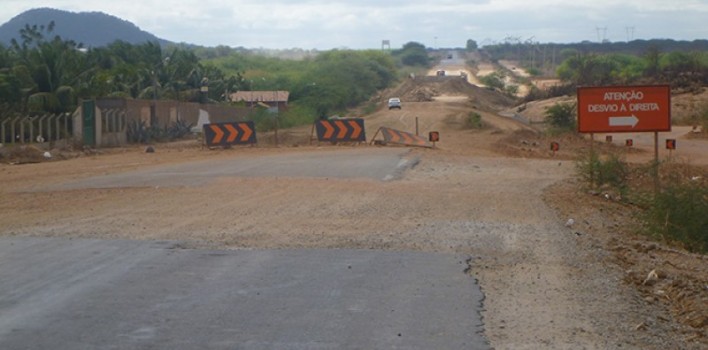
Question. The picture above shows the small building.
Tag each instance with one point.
(274, 99)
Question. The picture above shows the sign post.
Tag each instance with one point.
(555, 147)
(670, 145)
(433, 137)
(624, 109)
(612, 109)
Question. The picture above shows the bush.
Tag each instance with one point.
(493, 81)
(561, 116)
(178, 130)
(139, 132)
(296, 116)
(598, 171)
(473, 121)
(533, 71)
(703, 119)
(370, 107)
(511, 90)
(680, 212)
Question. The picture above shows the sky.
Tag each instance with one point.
(364, 24)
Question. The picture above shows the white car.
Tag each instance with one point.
(394, 102)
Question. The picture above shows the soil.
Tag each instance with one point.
(497, 193)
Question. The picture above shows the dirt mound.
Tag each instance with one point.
(27, 154)
(22, 154)
(425, 89)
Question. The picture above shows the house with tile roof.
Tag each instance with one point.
(277, 100)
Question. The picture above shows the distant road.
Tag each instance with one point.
(372, 163)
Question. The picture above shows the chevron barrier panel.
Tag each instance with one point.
(341, 130)
(226, 134)
(404, 138)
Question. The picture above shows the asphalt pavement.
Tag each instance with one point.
(58, 293)
(382, 164)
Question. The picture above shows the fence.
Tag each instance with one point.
(114, 124)
(113, 117)
(39, 129)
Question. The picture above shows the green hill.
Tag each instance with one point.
(92, 29)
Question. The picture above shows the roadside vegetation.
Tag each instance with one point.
(473, 121)
(672, 208)
(561, 118)
(42, 73)
(683, 65)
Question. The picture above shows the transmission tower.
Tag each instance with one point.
(602, 30)
(630, 33)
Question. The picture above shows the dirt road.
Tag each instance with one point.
(546, 286)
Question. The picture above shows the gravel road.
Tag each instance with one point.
(545, 286)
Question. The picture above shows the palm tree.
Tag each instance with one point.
(48, 70)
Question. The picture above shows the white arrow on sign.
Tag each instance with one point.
(624, 121)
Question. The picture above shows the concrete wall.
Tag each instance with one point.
(113, 117)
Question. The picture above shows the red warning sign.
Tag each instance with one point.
(624, 109)
(434, 136)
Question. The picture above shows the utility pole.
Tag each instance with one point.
(277, 114)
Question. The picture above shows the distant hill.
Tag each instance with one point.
(92, 29)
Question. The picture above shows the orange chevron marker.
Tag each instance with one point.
(247, 132)
(395, 137)
(356, 128)
(219, 134)
(342, 129)
(407, 138)
(233, 133)
(386, 134)
(330, 130)
(421, 141)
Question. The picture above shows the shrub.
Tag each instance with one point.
(264, 120)
(473, 121)
(370, 107)
(561, 116)
(493, 81)
(680, 212)
(703, 119)
(511, 90)
(139, 132)
(533, 71)
(178, 130)
(610, 170)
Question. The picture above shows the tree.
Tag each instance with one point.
(588, 70)
(414, 54)
(652, 57)
(494, 80)
(49, 70)
(471, 45)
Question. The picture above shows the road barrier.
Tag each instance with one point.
(402, 138)
(340, 130)
(227, 134)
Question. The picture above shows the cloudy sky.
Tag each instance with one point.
(358, 24)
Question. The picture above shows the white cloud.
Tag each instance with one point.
(361, 24)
